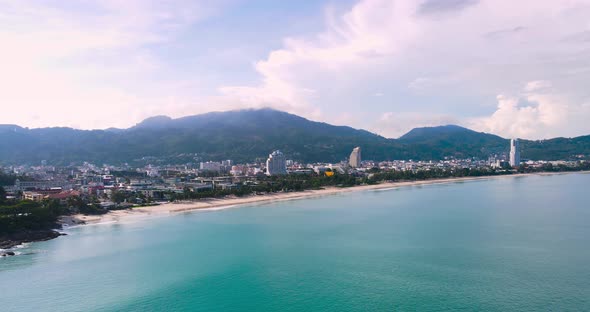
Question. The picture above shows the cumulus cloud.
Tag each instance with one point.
(416, 62)
(368, 32)
(536, 113)
(460, 52)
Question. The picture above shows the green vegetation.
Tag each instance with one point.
(89, 206)
(17, 216)
(29, 216)
(10, 179)
(435, 174)
(288, 183)
(244, 136)
(24, 215)
(295, 183)
(2, 195)
(6, 179)
(582, 166)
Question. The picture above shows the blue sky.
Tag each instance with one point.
(517, 69)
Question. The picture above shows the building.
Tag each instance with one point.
(39, 185)
(238, 170)
(355, 158)
(34, 196)
(276, 164)
(210, 166)
(514, 153)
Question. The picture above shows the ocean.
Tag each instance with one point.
(500, 244)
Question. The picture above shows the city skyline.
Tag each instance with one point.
(370, 64)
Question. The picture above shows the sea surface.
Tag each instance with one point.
(504, 244)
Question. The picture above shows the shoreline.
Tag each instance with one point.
(8, 244)
(229, 202)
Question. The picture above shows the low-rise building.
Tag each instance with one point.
(34, 196)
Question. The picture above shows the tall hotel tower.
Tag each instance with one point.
(276, 164)
(355, 158)
(514, 153)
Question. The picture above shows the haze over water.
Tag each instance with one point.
(512, 243)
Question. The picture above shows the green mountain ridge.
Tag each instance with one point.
(247, 135)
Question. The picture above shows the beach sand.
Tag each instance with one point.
(231, 201)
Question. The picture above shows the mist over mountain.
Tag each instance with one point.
(248, 135)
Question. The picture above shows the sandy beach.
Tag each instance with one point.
(220, 203)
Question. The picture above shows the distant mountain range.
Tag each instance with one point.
(247, 135)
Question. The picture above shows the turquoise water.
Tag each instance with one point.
(507, 244)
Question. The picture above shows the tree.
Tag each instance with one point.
(118, 197)
(2, 195)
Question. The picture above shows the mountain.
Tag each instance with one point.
(558, 148)
(452, 140)
(242, 135)
(156, 122)
(248, 135)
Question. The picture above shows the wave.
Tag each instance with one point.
(23, 245)
(386, 189)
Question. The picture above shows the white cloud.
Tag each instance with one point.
(537, 85)
(77, 66)
(420, 83)
(371, 30)
(458, 54)
(424, 62)
(538, 112)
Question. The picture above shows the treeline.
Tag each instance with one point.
(408, 175)
(26, 215)
(87, 206)
(7, 179)
(10, 179)
(581, 166)
(295, 183)
(273, 184)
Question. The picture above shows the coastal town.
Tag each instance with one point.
(119, 187)
(35, 200)
(294, 156)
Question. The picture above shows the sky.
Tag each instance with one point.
(512, 68)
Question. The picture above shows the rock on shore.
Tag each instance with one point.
(10, 240)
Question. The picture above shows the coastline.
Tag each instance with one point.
(227, 202)
(8, 243)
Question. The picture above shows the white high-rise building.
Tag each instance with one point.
(355, 158)
(276, 164)
(514, 153)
